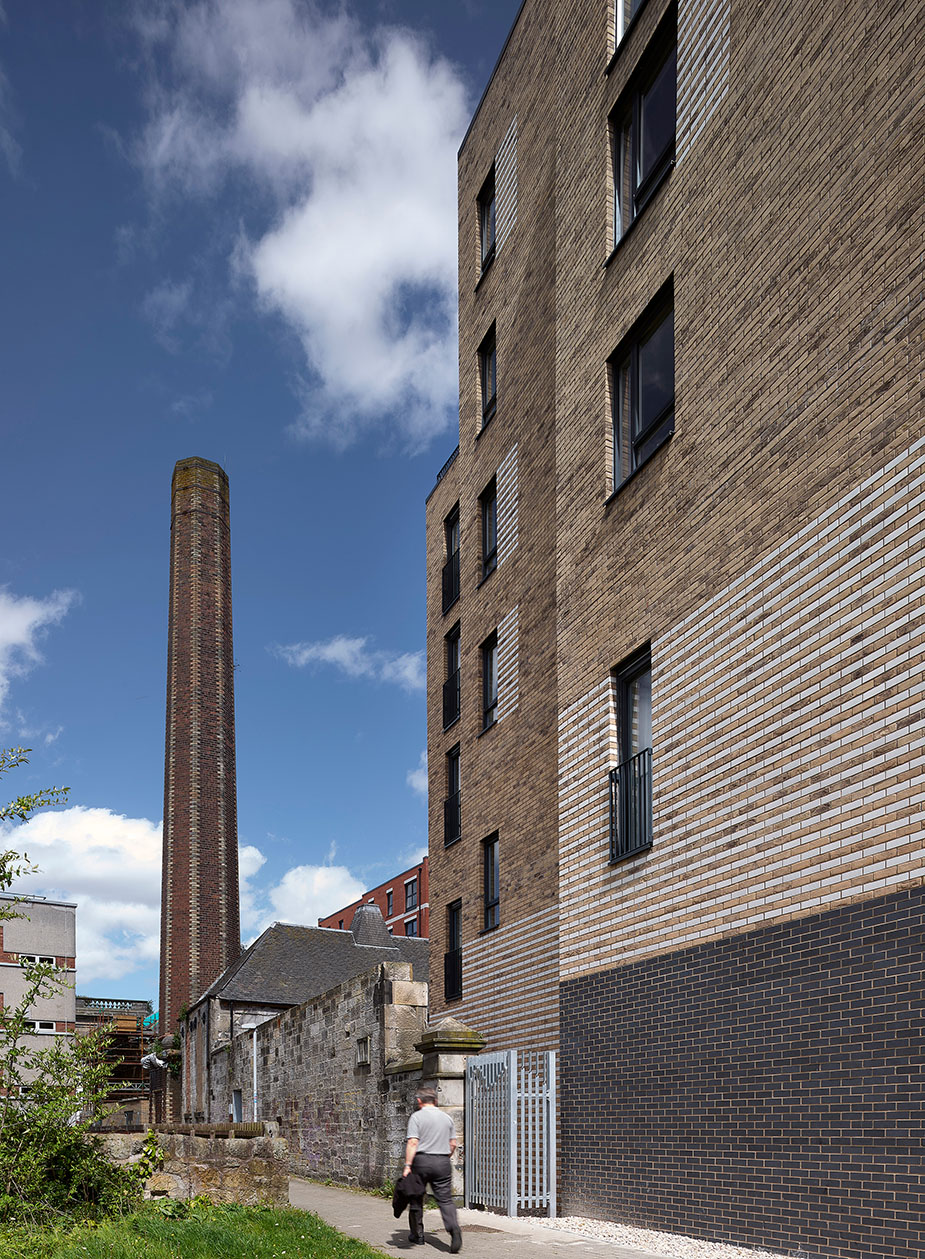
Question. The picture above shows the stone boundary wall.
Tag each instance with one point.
(342, 1116)
(251, 1171)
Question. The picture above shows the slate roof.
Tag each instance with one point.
(289, 965)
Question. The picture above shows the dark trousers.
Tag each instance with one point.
(435, 1170)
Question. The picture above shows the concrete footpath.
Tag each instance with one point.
(370, 1219)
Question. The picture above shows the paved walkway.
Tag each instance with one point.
(485, 1236)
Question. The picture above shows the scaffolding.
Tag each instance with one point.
(127, 1103)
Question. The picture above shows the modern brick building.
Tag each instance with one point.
(200, 931)
(403, 901)
(675, 627)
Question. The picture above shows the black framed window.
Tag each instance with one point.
(624, 13)
(411, 927)
(411, 894)
(631, 780)
(488, 375)
(486, 207)
(388, 905)
(491, 882)
(642, 387)
(642, 129)
(488, 503)
(451, 565)
(489, 681)
(451, 688)
(452, 958)
(451, 809)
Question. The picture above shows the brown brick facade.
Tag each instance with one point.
(200, 931)
(768, 554)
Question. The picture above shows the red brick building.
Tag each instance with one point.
(404, 902)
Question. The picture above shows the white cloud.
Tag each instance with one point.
(417, 778)
(111, 866)
(303, 895)
(9, 148)
(347, 136)
(357, 659)
(23, 622)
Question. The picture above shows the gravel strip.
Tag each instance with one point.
(672, 1245)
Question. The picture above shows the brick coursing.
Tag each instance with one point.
(200, 931)
(765, 1089)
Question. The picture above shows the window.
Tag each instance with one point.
(631, 781)
(642, 388)
(40, 1025)
(388, 905)
(452, 958)
(237, 1106)
(363, 1051)
(490, 681)
(488, 375)
(451, 813)
(488, 503)
(451, 567)
(625, 11)
(411, 895)
(492, 895)
(642, 129)
(340, 924)
(451, 691)
(411, 927)
(486, 206)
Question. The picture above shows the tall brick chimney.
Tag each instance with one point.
(200, 927)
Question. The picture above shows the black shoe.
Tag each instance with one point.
(416, 1239)
(456, 1242)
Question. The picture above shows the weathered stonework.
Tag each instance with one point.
(251, 1171)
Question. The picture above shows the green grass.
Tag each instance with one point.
(206, 1232)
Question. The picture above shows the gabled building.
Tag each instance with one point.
(675, 590)
(286, 966)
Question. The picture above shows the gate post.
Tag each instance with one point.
(445, 1049)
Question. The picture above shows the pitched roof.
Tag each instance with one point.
(288, 965)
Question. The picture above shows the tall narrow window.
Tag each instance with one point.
(489, 681)
(451, 566)
(492, 882)
(642, 388)
(488, 503)
(451, 810)
(451, 692)
(452, 958)
(631, 781)
(643, 133)
(488, 375)
(626, 10)
(388, 905)
(486, 205)
(411, 894)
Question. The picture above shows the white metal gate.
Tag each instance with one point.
(510, 1154)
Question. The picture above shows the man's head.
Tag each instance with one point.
(426, 1097)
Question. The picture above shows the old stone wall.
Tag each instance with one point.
(336, 1076)
(251, 1171)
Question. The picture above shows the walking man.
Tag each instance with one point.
(431, 1141)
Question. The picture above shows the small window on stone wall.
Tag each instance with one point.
(363, 1051)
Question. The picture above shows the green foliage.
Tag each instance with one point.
(49, 1097)
(23, 806)
(196, 1230)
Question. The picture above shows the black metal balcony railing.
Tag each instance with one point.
(452, 975)
(631, 806)
(451, 819)
(451, 699)
(451, 581)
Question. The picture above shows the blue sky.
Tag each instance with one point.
(228, 230)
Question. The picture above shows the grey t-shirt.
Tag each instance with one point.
(433, 1128)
